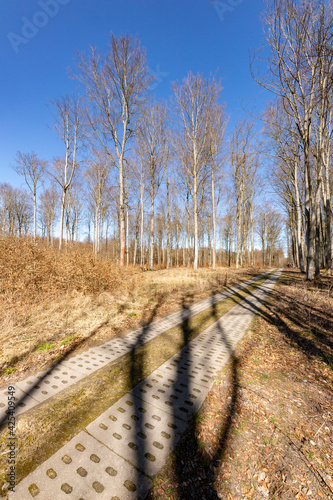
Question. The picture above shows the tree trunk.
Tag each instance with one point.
(196, 228)
(141, 222)
(152, 228)
(252, 238)
(127, 236)
(188, 232)
(310, 220)
(298, 221)
(328, 236)
(177, 245)
(121, 211)
(35, 213)
(239, 229)
(63, 201)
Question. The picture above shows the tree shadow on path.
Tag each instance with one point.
(195, 467)
(136, 375)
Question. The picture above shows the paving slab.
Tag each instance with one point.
(83, 469)
(133, 437)
(40, 387)
(46, 384)
(139, 432)
(176, 390)
(23, 402)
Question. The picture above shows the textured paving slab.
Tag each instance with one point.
(23, 403)
(37, 388)
(83, 469)
(173, 391)
(46, 384)
(40, 387)
(140, 430)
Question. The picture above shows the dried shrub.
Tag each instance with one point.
(29, 269)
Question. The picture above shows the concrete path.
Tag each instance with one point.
(115, 456)
(38, 388)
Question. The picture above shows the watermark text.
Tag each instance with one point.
(31, 26)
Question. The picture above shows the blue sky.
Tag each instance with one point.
(39, 39)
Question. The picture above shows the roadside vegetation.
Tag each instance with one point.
(265, 430)
(53, 304)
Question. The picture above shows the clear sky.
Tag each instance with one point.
(39, 39)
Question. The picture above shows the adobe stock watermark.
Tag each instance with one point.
(30, 27)
(158, 74)
(223, 7)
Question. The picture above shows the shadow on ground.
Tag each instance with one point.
(194, 467)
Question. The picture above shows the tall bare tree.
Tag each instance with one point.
(299, 35)
(68, 125)
(286, 171)
(115, 86)
(47, 208)
(243, 156)
(32, 169)
(154, 153)
(97, 175)
(194, 100)
(217, 127)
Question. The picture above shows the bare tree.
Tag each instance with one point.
(153, 153)
(68, 125)
(217, 127)
(115, 86)
(73, 210)
(16, 211)
(32, 169)
(97, 175)
(23, 211)
(243, 156)
(300, 68)
(47, 207)
(7, 199)
(194, 101)
(285, 173)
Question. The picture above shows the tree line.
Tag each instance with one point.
(152, 182)
(298, 124)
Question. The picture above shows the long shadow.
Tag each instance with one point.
(20, 402)
(137, 374)
(16, 359)
(137, 362)
(304, 343)
(300, 305)
(194, 468)
(274, 317)
(294, 311)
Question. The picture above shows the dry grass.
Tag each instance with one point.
(45, 429)
(265, 431)
(30, 270)
(52, 304)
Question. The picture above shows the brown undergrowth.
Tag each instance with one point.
(44, 429)
(265, 430)
(53, 304)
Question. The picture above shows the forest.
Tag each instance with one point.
(228, 335)
(165, 183)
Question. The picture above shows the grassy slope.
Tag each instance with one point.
(39, 326)
(44, 430)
